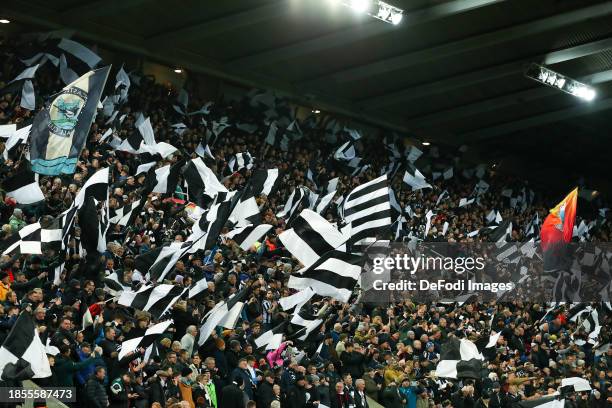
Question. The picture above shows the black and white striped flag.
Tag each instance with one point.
(588, 320)
(575, 384)
(505, 250)
(96, 187)
(33, 239)
(273, 338)
(144, 167)
(277, 137)
(151, 153)
(204, 151)
(310, 174)
(346, 152)
(391, 169)
(355, 167)
(201, 180)
(114, 284)
(151, 353)
(501, 232)
(24, 79)
(348, 161)
(198, 288)
(494, 217)
(207, 230)
(124, 215)
(144, 262)
(304, 324)
(575, 311)
(297, 299)
(334, 274)
(245, 212)
(459, 358)
(322, 202)
(23, 187)
(532, 230)
(415, 179)
(330, 186)
(390, 143)
(371, 245)
(298, 196)
(143, 141)
(155, 299)
(182, 101)
(225, 313)
(246, 236)
(529, 248)
(16, 138)
(156, 263)
(310, 237)
(92, 232)
(165, 179)
(264, 181)
(149, 337)
(132, 143)
(367, 209)
(239, 161)
(300, 327)
(24, 343)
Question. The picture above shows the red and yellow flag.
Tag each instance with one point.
(558, 226)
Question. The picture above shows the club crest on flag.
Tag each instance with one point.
(59, 132)
(65, 110)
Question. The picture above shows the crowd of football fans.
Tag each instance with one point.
(369, 352)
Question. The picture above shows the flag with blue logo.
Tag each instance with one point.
(59, 132)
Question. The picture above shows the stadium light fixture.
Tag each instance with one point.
(396, 18)
(561, 82)
(377, 9)
(4, 21)
(388, 13)
(360, 6)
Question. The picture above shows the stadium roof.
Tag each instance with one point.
(452, 70)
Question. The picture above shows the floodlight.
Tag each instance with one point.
(561, 82)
